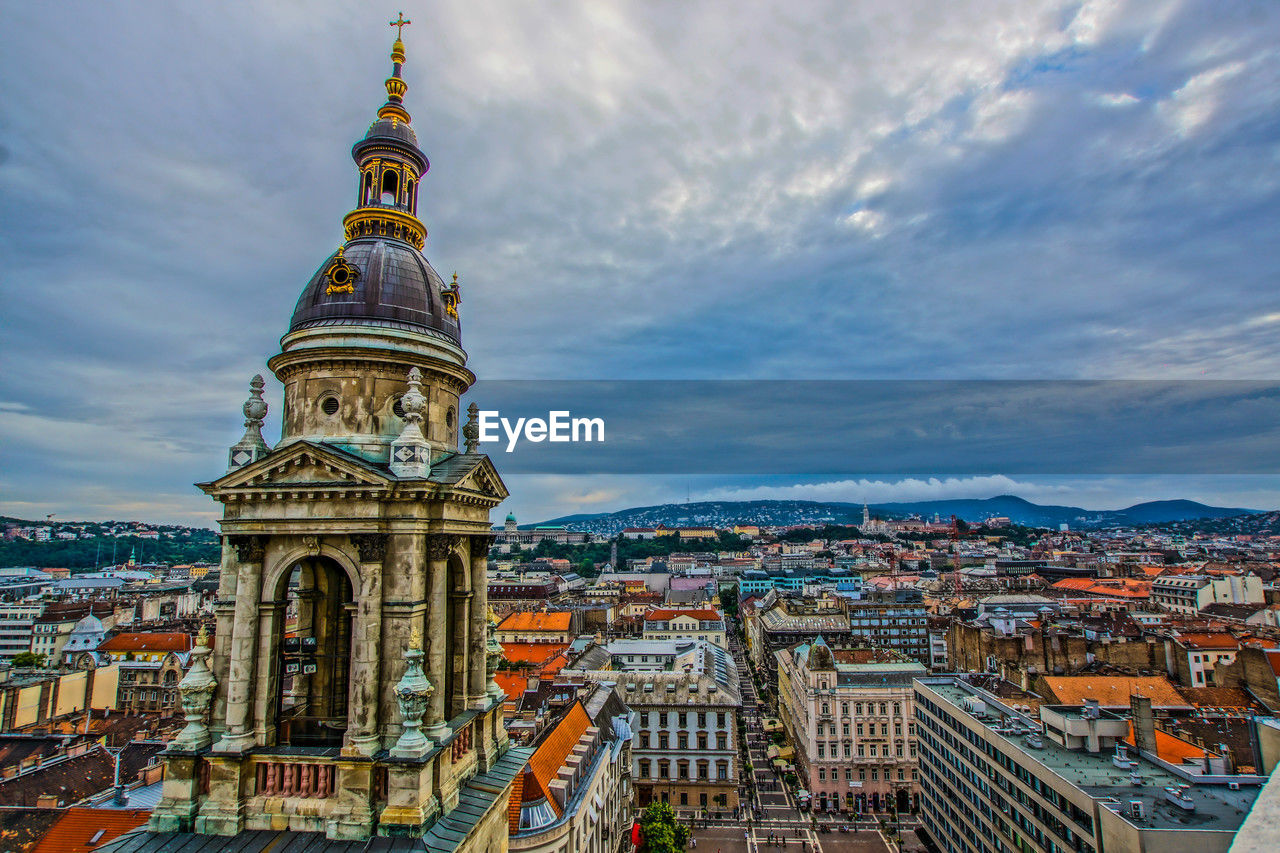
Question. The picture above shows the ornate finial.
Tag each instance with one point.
(251, 447)
(451, 295)
(400, 23)
(255, 408)
(413, 403)
(415, 638)
(410, 453)
(471, 430)
(396, 87)
(413, 692)
(196, 690)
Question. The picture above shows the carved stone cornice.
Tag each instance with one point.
(441, 545)
(372, 547)
(249, 548)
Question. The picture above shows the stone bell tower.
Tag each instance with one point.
(349, 687)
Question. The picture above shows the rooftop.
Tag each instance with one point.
(1217, 807)
(1113, 691)
(554, 620)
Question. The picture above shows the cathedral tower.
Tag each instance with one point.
(349, 687)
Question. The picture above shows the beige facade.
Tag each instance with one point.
(851, 719)
(684, 745)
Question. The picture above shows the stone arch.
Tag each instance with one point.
(286, 562)
(306, 615)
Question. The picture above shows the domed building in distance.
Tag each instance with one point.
(349, 693)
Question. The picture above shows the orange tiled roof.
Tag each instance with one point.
(511, 683)
(1209, 641)
(1116, 588)
(174, 642)
(552, 620)
(1273, 658)
(513, 805)
(545, 763)
(1172, 749)
(1113, 691)
(535, 654)
(663, 614)
(1078, 584)
(81, 829)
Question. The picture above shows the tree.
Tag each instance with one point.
(22, 659)
(662, 832)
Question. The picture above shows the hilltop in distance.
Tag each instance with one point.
(781, 513)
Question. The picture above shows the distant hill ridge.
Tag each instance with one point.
(1016, 509)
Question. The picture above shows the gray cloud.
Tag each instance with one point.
(880, 189)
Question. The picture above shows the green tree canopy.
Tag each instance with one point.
(662, 832)
(27, 659)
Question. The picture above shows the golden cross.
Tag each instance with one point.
(399, 23)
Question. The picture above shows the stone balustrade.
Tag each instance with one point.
(293, 779)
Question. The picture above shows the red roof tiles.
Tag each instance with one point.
(173, 642)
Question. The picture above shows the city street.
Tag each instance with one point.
(774, 821)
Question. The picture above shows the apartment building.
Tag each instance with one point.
(16, 622)
(684, 748)
(995, 779)
(150, 666)
(704, 623)
(575, 791)
(849, 715)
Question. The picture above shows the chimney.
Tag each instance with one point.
(1144, 723)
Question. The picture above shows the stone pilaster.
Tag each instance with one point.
(366, 671)
(411, 802)
(439, 547)
(460, 640)
(477, 623)
(224, 612)
(242, 643)
(179, 795)
(270, 629)
(222, 812)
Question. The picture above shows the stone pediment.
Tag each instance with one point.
(470, 472)
(303, 464)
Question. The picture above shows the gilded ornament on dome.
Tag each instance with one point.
(342, 276)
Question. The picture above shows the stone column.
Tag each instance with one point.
(242, 643)
(366, 645)
(439, 547)
(478, 676)
(265, 723)
(224, 612)
(460, 637)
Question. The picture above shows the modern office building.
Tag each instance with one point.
(996, 779)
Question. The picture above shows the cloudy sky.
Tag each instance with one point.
(858, 189)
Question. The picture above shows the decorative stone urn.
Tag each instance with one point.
(492, 655)
(413, 693)
(197, 688)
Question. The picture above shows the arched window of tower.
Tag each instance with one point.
(313, 639)
(390, 184)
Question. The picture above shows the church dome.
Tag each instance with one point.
(379, 281)
(390, 129)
